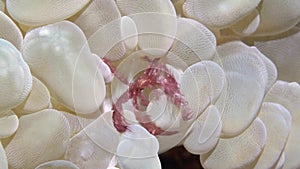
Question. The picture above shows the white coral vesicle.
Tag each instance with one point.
(37, 100)
(59, 55)
(15, 77)
(216, 13)
(273, 22)
(3, 159)
(77, 123)
(248, 25)
(97, 14)
(129, 32)
(36, 13)
(246, 77)
(277, 120)
(98, 140)
(10, 31)
(107, 41)
(193, 43)
(158, 34)
(138, 147)
(201, 84)
(9, 124)
(205, 132)
(272, 73)
(57, 164)
(284, 52)
(288, 95)
(237, 152)
(44, 141)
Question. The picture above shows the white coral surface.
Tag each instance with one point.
(112, 84)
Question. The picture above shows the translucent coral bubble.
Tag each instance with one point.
(237, 152)
(3, 159)
(107, 42)
(155, 21)
(138, 147)
(41, 137)
(205, 132)
(59, 55)
(288, 95)
(248, 25)
(193, 43)
(216, 13)
(273, 22)
(201, 84)
(15, 77)
(97, 14)
(9, 124)
(37, 100)
(35, 12)
(102, 24)
(284, 52)
(278, 128)
(77, 123)
(57, 164)
(10, 31)
(129, 32)
(95, 145)
(246, 77)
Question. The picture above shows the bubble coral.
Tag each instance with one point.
(104, 84)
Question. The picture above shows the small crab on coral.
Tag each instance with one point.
(156, 76)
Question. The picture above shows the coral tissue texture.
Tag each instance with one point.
(149, 84)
